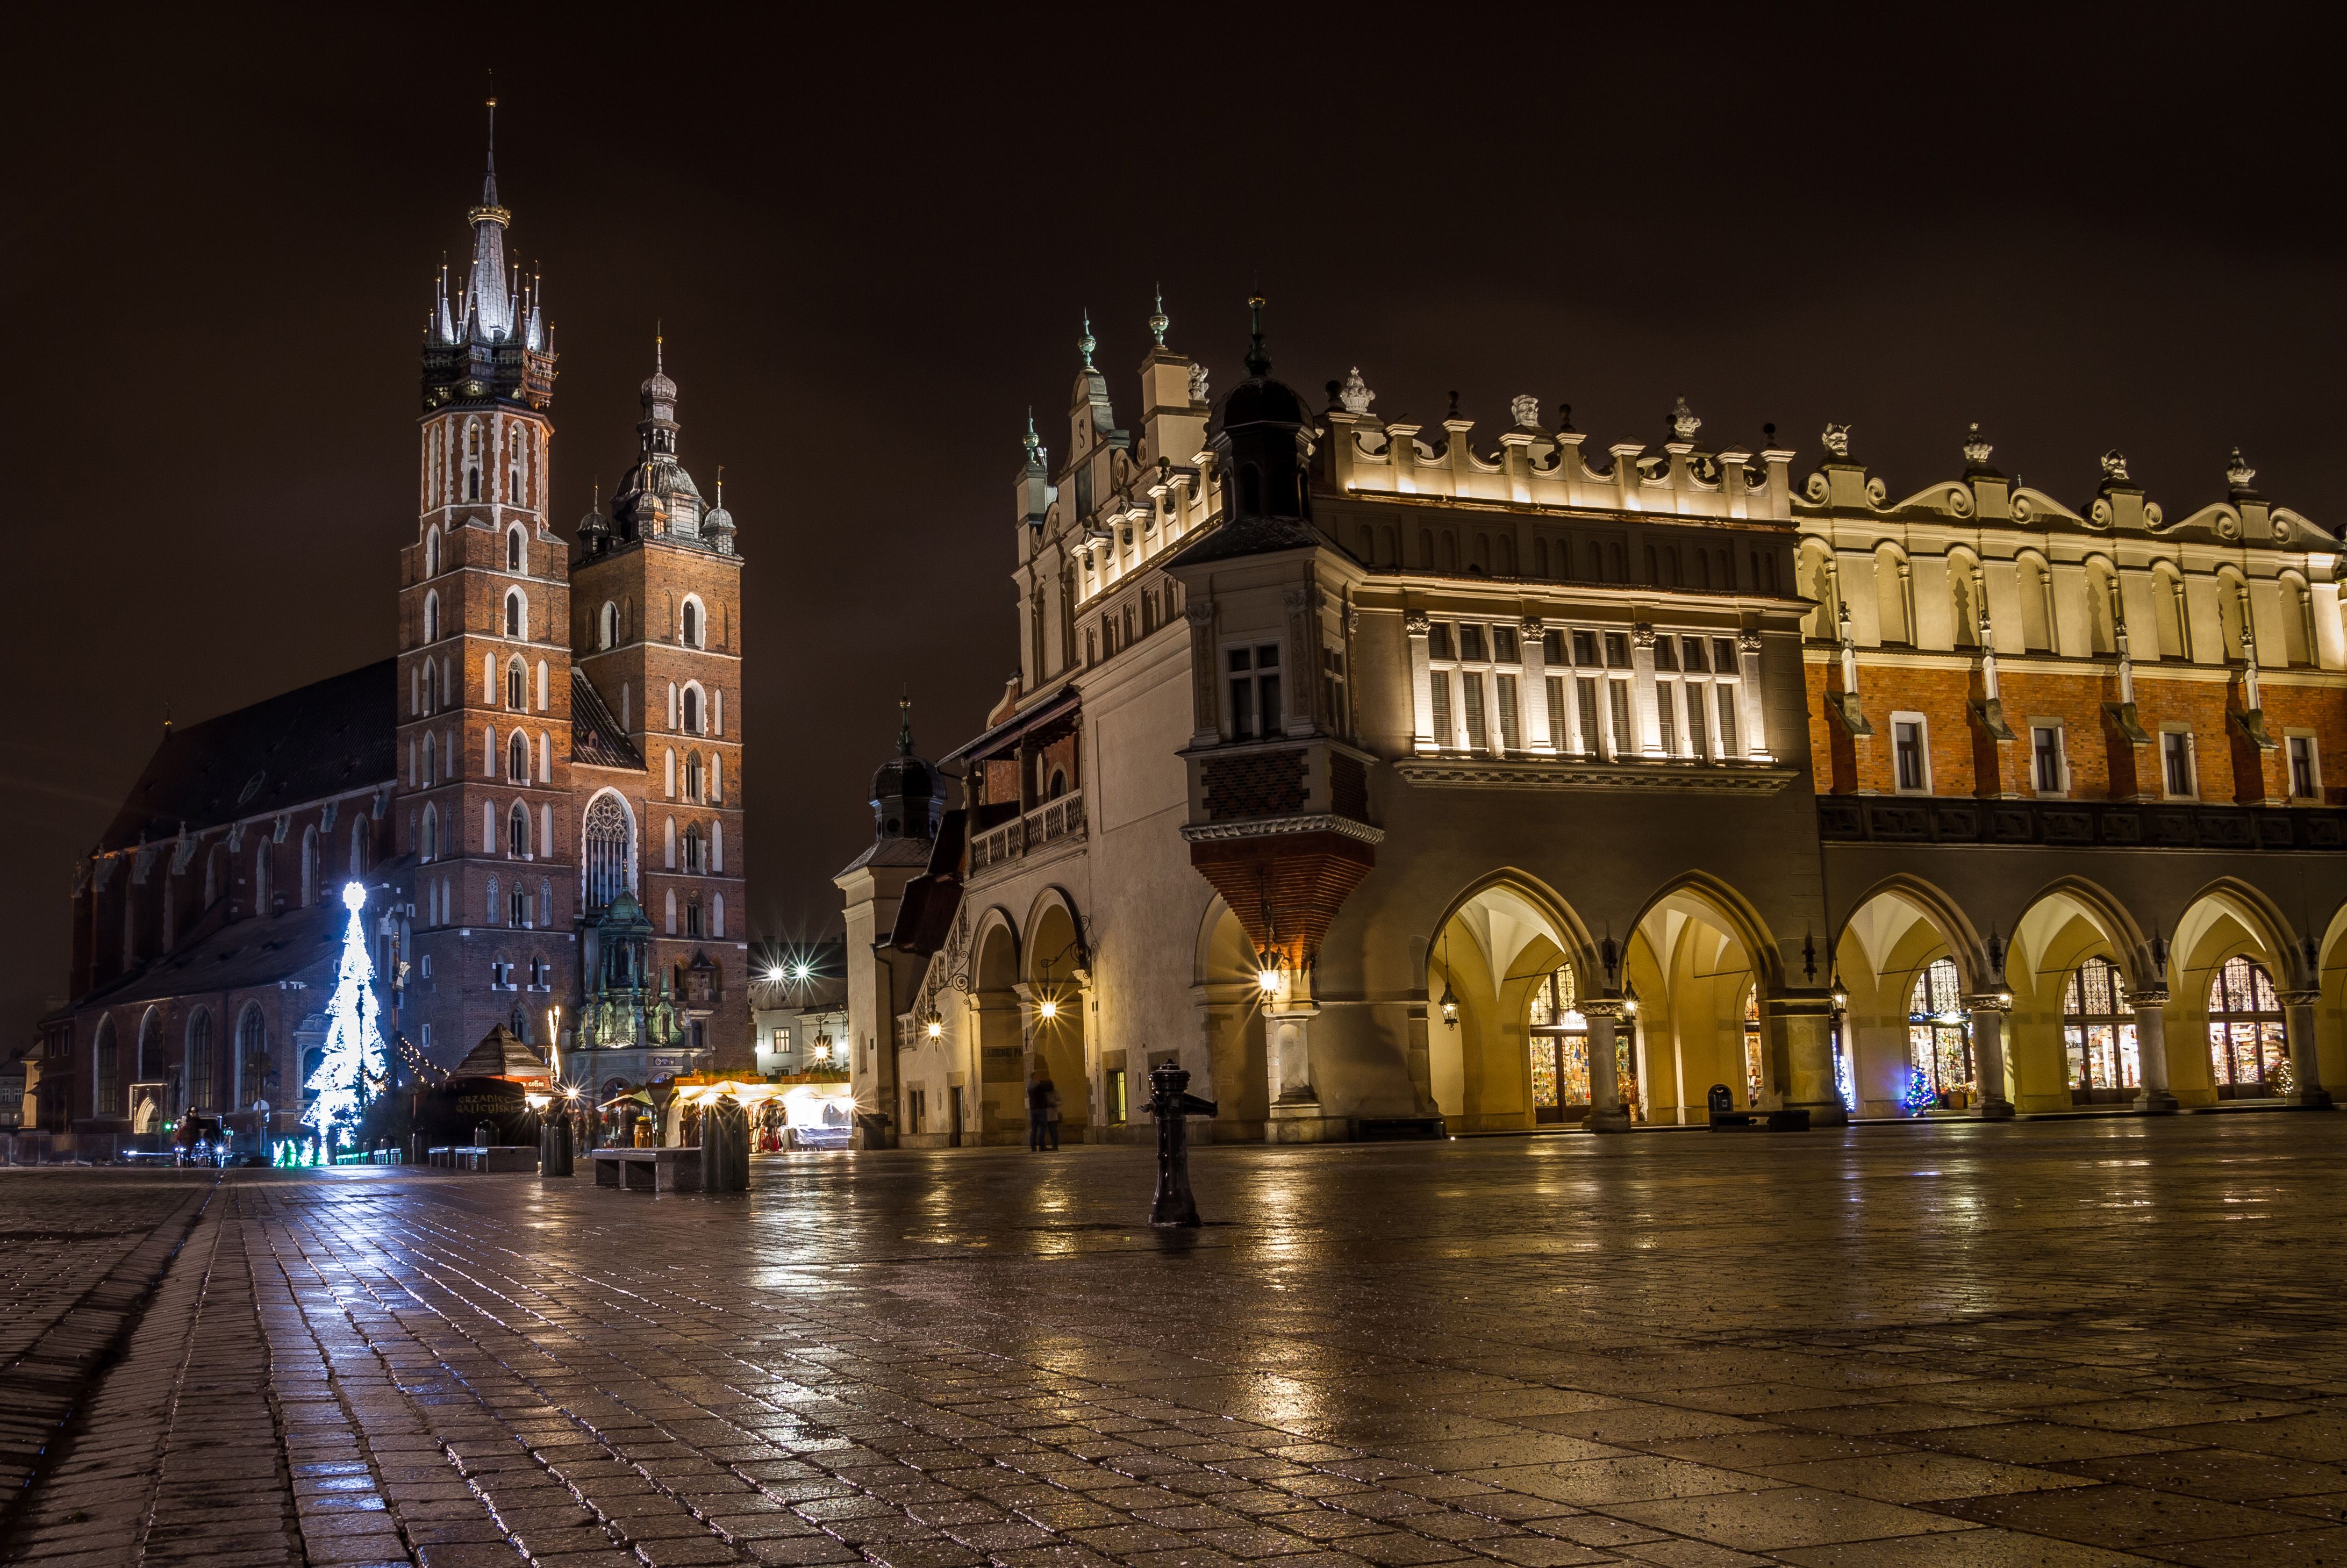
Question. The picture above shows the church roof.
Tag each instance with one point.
(596, 739)
(313, 743)
(240, 954)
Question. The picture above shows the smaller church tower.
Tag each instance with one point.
(658, 630)
(484, 682)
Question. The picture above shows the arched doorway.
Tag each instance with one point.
(1230, 993)
(1896, 1014)
(1060, 1005)
(1505, 1050)
(994, 998)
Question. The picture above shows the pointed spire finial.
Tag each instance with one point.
(660, 345)
(1158, 321)
(489, 183)
(1258, 363)
(1086, 344)
(721, 486)
(904, 721)
(1034, 443)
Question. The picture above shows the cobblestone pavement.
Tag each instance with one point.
(1970, 1346)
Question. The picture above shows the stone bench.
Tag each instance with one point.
(484, 1157)
(649, 1170)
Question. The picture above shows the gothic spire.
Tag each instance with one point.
(488, 304)
(1258, 363)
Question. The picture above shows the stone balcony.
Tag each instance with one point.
(1026, 835)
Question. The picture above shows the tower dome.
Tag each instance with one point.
(907, 796)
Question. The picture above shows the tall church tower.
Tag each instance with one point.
(658, 631)
(484, 693)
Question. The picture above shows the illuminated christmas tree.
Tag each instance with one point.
(352, 1065)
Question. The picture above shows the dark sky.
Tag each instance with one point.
(870, 234)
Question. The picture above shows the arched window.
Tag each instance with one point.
(517, 685)
(1939, 1041)
(431, 633)
(693, 926)
(362, 847)
(314, 1058)
(2099, 1035)
(2247, 1050)
(429, 844)
(694, 860)
(692, 775)
(516, 473)
(203, 1072)
(252, 1057)
(670, 911)
(605, 835)
(432, 552)
(716, 776)
(691, 623)
(150, 1046)
(473, 461)
(514, 556)
(518, 832)
(519, 912)
(692, 710)
(717, 914)
(309, 866)
(1559, 1050)
(610, 622)
(489, 913)
(516, 614)
(107, 1055)
(518, 758)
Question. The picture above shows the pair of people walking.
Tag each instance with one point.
(1042, 1112)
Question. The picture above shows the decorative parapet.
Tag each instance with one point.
(1542, 774)
(2076, 825)
(1051, 822)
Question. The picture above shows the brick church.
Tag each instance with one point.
(539, 791)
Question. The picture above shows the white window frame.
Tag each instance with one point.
(1923, 752)
(2061, 759)
(2290, 740)
(2191, 760)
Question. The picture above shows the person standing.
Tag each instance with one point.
(1042, 1112)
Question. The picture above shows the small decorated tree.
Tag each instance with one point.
(351, 1067)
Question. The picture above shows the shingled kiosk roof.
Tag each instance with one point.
(502, 1054)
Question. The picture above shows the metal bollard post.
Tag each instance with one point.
(554, 1146)
(1173, 1204)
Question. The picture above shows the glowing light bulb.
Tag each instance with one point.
(1048, 1007)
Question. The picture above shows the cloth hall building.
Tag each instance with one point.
(1394, 777)
(539, 790)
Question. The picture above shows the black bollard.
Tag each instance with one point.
(1173, 1204)
(554, 1145)
(724, 1147)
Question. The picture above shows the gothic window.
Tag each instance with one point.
(491, 901)
(150, 1046)
(717, 776)
(516, 485)
(2098, 1035)
(107, 1056)
(1939, 1036)
(2247, 1049)
(473, 462)
(545, 901)
(717, 848)
(203, 1073)
(693, 927)
(516, 614)
(513, 550)
(360, 847)
(670, 912)
(694, 861)
(691, 623)
(432, 553)
(692, 710)
(668, 773)
(309, 866)
(717, 914)
(520, 913)
(252, 1057)
(431, 631)
(517, 685)
(429, 844)
(692, 777)
(609, 623)
(606, 842)
(671, 848)
(518, 758)
(518, 832)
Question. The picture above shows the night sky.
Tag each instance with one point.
(870, 234)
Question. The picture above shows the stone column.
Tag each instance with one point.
(1801, 1026)
(1642, 678)
(1988, 1011)
(1295, 1115)
(1606, 1112)
(2298, 1024)
(2151, 1052)
(1421, 685)
(1750, 709)
(1542, 727)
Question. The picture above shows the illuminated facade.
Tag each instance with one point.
(1395, 778)
(540, 790)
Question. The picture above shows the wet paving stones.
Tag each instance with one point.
(1957, 1346)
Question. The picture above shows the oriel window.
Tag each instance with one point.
(1255, 692)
